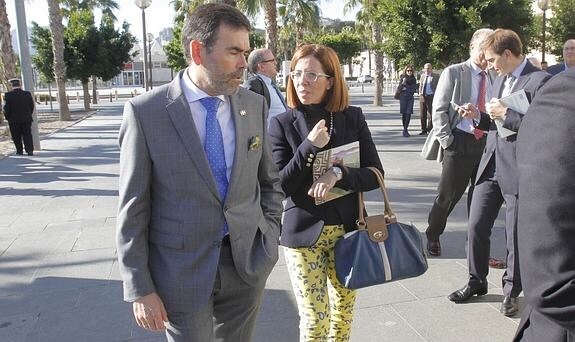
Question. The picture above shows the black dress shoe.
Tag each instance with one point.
(467, 292)
(433, 248)
(509, 306)
(423, 133)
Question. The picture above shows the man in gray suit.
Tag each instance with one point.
(460, 143)
(200, 197)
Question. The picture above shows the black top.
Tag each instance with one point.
(18, 106)
(294, 154)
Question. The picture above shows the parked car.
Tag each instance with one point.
(365, 79)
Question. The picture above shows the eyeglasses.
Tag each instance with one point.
(409, 70)
(310, 76)
(268, 60)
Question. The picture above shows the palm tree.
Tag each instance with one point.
(367, 20)
(7, 55)
(302, 15)
(253, 7)
(106, 6)
(57, 33)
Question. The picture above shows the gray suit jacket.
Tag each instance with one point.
(454, 85)
(170, 214)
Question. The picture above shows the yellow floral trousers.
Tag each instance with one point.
(325, 307)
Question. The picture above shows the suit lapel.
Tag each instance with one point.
(338, 127)
(181, 117)
(465, 94)
(300, 125)
(241, 123)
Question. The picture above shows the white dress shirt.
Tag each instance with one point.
(466, 124)
(193, 95)
(276, 105)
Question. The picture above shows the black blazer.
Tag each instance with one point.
(531, 80)
(546, 221)
(18, 106)
(257, 85)
(293, 154)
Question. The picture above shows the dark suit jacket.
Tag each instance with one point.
(555, 69)
(546, 227)
(434, 82)
(18, 106)
(531, 80)
(257, 85)
(293, 154)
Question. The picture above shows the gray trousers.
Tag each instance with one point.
(229, 316)
(485, 206)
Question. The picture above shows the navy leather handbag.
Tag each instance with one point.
(381, 250)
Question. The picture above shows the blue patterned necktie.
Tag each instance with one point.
(214, 147)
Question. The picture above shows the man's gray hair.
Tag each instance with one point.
(255, 58)
(477, 38)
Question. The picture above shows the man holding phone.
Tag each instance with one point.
(462, 144)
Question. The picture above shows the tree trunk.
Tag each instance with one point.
(6, 50)
(86, 91)
(57, 33)
(94, 91)
(271, 25)
(377, 99)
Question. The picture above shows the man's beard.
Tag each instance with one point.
(220, 84)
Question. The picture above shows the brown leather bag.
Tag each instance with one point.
(376, 225)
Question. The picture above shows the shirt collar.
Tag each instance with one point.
(266, 79)
(517, 72)
(476, 69)
(192, 92)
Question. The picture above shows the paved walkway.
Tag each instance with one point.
(59, 279)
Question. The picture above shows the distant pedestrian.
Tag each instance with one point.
(427, 85)
(18, 110)
(408, 87)
(199, 195)
(262, 66)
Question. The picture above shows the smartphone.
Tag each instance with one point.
(455, 105)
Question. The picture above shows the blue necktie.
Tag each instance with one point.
(214, 147)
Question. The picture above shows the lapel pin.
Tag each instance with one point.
(242, 112)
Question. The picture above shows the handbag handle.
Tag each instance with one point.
(389, 214)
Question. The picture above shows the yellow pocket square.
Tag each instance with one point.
(255, 143)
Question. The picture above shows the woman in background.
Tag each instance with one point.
(408, 84)
(319, 118)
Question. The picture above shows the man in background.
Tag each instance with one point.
(427, 84)
(18, 110)
(568, 58)
(460, 143)
(262, 66)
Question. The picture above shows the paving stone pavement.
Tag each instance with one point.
(59, 279)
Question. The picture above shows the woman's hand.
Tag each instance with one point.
(322, 185)
(319, 136)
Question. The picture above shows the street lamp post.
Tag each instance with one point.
(143, 4)
(543, 5)
(150, 40)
